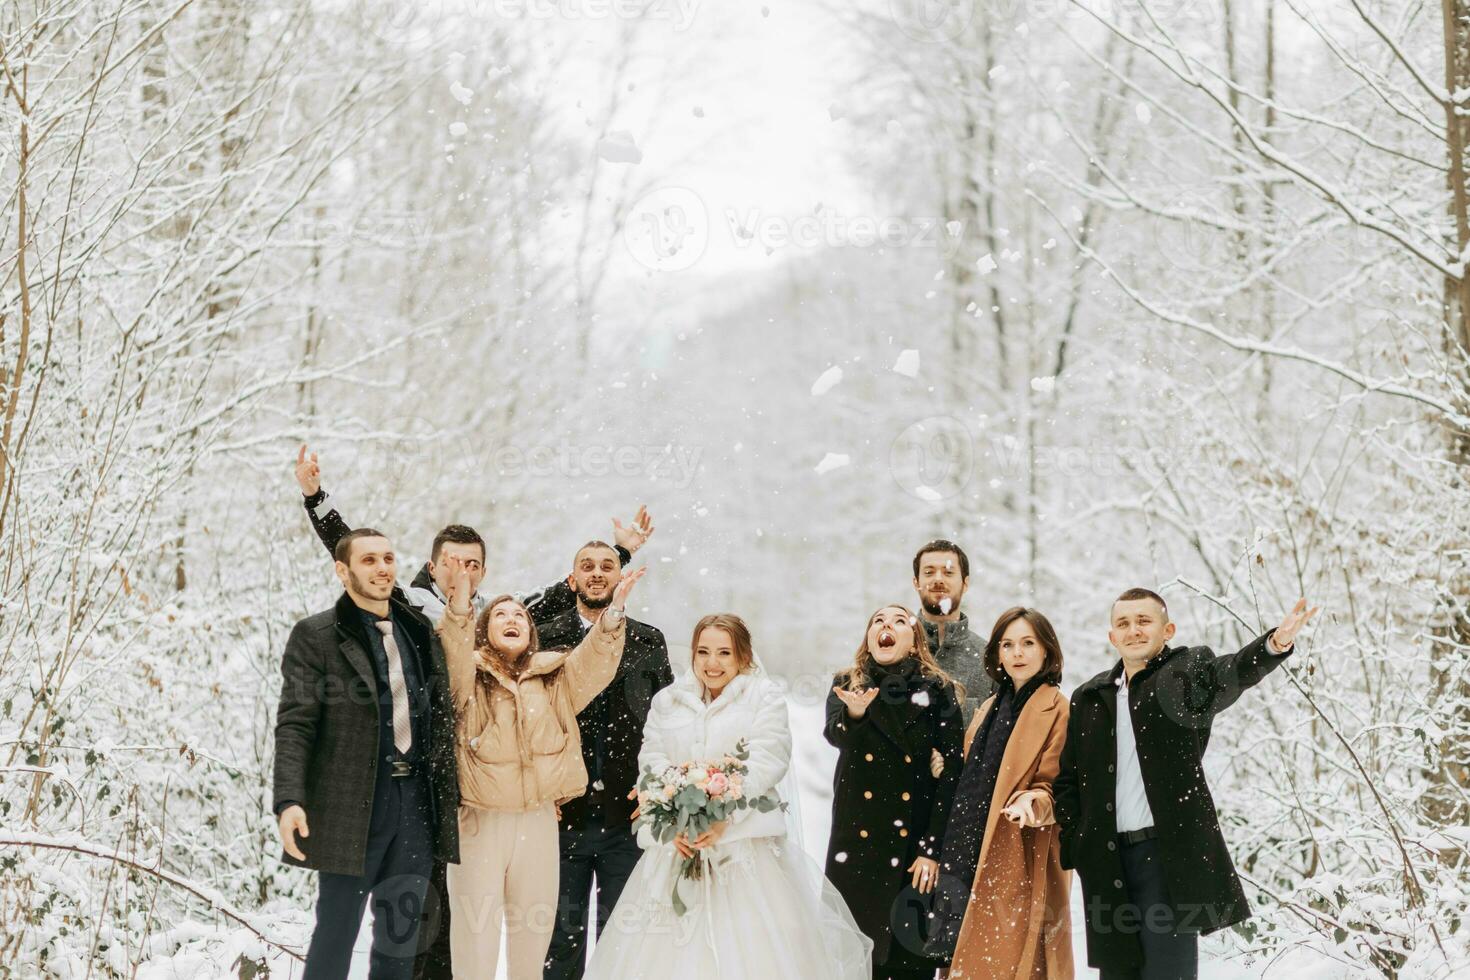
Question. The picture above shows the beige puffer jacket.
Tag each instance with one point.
(517, 741)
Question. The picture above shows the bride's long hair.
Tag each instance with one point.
(858, 676)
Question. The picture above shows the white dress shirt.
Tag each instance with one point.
(1130, 801)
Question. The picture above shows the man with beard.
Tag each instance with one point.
(367, 799)
(941, 576)
(598, 846)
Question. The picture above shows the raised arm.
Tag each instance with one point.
(594, 663)
(325, 520)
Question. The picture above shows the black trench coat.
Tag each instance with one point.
(1173, 701)
(887, 809)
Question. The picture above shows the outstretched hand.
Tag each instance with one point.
(459, 585)
(308, 473)
(636, 534)
(857, 701)
(1285, 635)
(620, 594)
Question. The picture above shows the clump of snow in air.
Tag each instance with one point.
(986, 263)
(826, 381)
(921, 698)
(1044, 386)
(833, 461)
(460, 93)
(945, 605)
(840, 857)
(907, 363)
(458, 129)
(1144, 113)
(618, 147)
(927, 493)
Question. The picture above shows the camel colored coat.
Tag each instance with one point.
(1018, 923)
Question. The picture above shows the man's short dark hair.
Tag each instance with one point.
(1134, 594)
(940, 544)
(595, 543)
(457, 534)
(343, 550)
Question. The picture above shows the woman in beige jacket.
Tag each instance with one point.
(520, 757)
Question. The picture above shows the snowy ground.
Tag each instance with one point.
(211, 952)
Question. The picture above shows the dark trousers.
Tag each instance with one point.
(433, 962)
(595, 851)
(395, 874)
(1167, 955)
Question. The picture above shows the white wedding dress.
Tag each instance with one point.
(763, 909)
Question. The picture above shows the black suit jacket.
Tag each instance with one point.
(327, 736)
(612, 724)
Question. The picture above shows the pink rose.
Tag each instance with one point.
(717, 784)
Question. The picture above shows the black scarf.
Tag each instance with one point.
(965, 832)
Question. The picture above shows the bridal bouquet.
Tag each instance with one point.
(690, 797)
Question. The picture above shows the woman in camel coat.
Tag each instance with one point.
(1003, 903)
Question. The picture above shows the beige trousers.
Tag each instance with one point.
(507, 876)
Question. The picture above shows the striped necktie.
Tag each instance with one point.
(402, 729)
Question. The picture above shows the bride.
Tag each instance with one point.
(762, 908)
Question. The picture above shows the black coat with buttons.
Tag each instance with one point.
(1172, 701)
(887, 807)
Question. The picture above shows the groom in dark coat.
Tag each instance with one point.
(1137, 819)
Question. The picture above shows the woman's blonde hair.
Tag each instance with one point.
(739, 635)
(858, 676)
